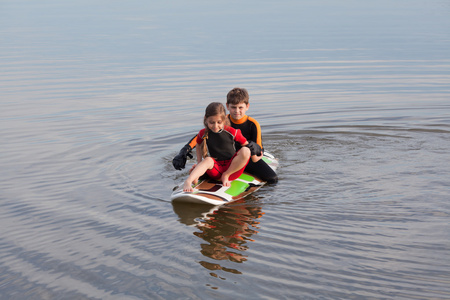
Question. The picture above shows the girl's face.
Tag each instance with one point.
(215, 123)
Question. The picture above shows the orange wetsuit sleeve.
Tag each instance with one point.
(257, 136)
(193, 142)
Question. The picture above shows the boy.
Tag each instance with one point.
(237, 105)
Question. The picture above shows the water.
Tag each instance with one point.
(98, 96)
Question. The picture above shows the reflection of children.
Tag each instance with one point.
(218, 157)
(237, 104)
(227, 232)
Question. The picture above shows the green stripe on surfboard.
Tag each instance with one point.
(237, 187)
(246, 177)
(266, 160)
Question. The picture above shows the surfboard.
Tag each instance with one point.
(208, 191)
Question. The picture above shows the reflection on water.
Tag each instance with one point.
(226, 230)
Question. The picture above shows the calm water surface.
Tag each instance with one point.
(98, 96)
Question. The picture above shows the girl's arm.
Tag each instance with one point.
(199, 159)
(198, 151)
(199, 154)
(244, 142)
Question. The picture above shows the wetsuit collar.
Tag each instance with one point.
(240, 121)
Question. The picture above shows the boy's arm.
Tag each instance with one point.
(179, 161)
(255, 149)
(256, 132)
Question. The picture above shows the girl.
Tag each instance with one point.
(217, 155)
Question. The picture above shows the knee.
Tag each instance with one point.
(209, 160)
(272, 180)
(245, 152)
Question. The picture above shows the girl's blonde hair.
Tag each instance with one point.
(213, 109)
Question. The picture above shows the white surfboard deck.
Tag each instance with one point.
(212, 192)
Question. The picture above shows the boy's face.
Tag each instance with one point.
(238, 111)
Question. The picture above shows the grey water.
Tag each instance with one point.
(98, 96)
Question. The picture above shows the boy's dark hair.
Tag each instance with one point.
(237, 96)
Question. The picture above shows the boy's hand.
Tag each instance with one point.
(255, 149)
(179, 161)
(256, 158)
